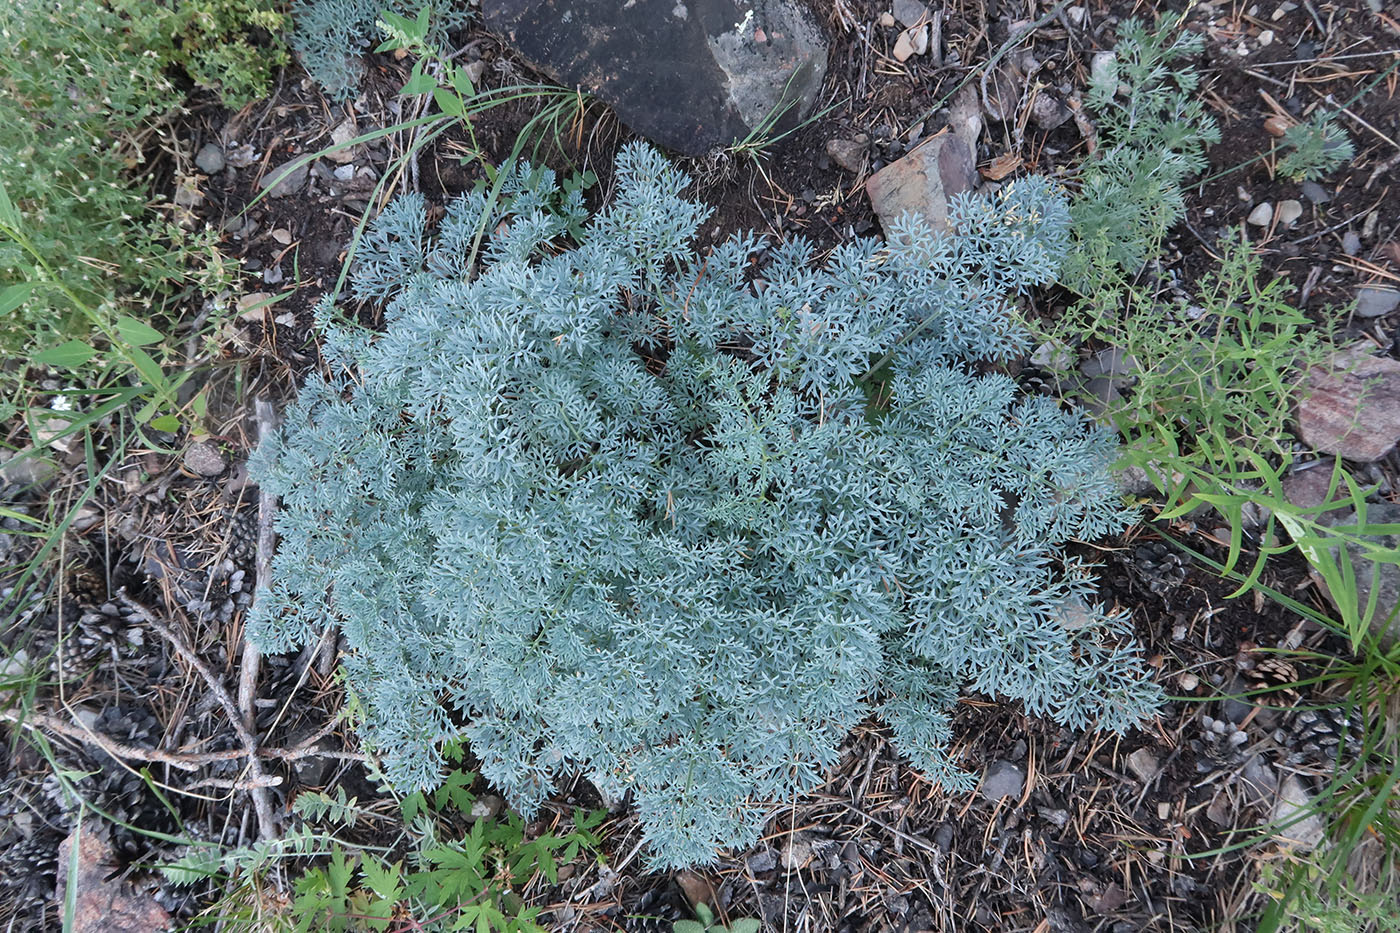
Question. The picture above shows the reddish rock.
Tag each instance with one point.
(923, 182)
(1351, 405)
(103, 903)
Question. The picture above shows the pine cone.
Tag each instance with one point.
(1158, 566)
(1220, 746)
(101, 633)
(1317, 736)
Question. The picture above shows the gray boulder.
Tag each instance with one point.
(691, 75)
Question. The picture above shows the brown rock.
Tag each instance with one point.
(205, 459)
(847, 153)
(103, 904)
(923, 182)
(1351, 405)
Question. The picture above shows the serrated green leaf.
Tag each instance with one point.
(68, 355)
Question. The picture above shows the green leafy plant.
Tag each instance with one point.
(625, 512)
(432, 877)
(1152, 135)
(1218, 370)
(1318, 147)
(706, 922)
(330, 35)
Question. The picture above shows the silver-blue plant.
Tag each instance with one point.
(680, 518)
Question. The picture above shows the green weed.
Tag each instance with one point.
(421, 880)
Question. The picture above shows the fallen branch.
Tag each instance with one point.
(262, 803)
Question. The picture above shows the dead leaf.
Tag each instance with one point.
(1001, 166)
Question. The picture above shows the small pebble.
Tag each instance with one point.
(205, 459)
(1368, 228)
(887, 19)
(1266, 38)
(1262, 215)
(1376, 301)
(1315, 193)
(1351, 243)
(282, 236)
(1003, 779)
(210, 159)
(1189, 682)
(1289, 211)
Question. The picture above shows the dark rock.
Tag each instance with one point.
(1003, 779)
(1315, 193)
(910, 13)
(1049, 112)
(923, 182)
(1351, 405)
(284, 180)
(689, 74)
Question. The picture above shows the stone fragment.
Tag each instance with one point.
(923, 182)
(1315, 193)
(1143, 764)
(1289, 212)
(487, 807)
(766, 859)
(284, 179)
(102, 901)
(1296, 823)
(27, 467)
(910, 13)
(691, 75)
(343, 132)
(1003, 779)
(205, 459)
(1049, 112)
(283, 236)
(1351, 243)
(847, 153)
(1262, 215)
(1351, 405)
(1002, 87)
(965, 117)
(210, 158)
(1376, 301)
(904, 46)
(886, 19)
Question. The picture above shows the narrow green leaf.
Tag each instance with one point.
(68, 355)
(137, 333)
(418, 83)
(15, 295)
(462, 83)
(448, 102)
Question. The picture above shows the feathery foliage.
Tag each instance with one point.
(683, 520)
(330, 35)
(1152, 135)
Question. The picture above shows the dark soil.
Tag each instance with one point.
(1092, 842)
